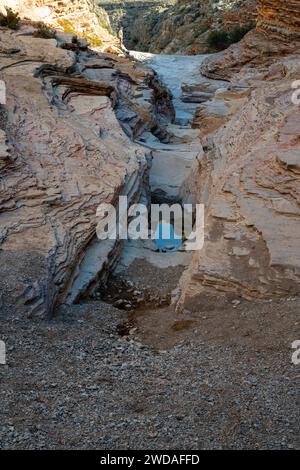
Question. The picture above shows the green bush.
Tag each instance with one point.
(237, 34)
(221, 39)
(218, 40)
(11, 20)
(43, 31)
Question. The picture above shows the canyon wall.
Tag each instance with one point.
(67, 126)
(185, 28)
(135, 22)
(249, 179)
(280, 19)
(176, 27)
(276, 35)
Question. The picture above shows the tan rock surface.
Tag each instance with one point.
(184, 28)
(75, 17)
(276, 35)
(63, 152)
(250, 180)
(279, 18)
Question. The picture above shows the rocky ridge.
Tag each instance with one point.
(79, 17)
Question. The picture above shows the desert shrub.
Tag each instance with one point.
(93, 39)
(11, 20)
(43, 31)
(218, 40)
(221, 39)
(238, 33)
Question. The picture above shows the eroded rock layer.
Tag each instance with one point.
(250, 176)
(185, 28)
(63, 152)
(276, 35)
(79, 17)
(280, 18)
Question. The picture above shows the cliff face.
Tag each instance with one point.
(176, 27)
(249, 179)
(276, 35)
(280, 19)
(66, 132)
(136, 20)
(78, 17)
(184, 29)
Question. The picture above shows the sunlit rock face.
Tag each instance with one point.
(276, 35)
(184, 28)
(66, 146)
(77, 17)
(250, 177)
(280, 19)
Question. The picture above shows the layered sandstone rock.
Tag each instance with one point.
(62, 153)
(250, 176)
(135, 20)
(79, 17)
(179, 27)
(250, 185)
(276, 35)
(184, 29)
(280, 18)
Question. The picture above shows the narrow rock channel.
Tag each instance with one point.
(130, 345)
(144, 276)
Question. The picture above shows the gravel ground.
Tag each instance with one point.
(74, 383)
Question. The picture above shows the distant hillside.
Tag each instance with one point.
(178, 27)
(135, 20)
(187, 26)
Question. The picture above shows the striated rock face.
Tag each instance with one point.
(80, 17)
(179, 27)
(66, 145)
(62, 153)
(276, 35)
(250, 184)
(250, 176)
(280, 18)
(184, 29)
(136, 20)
